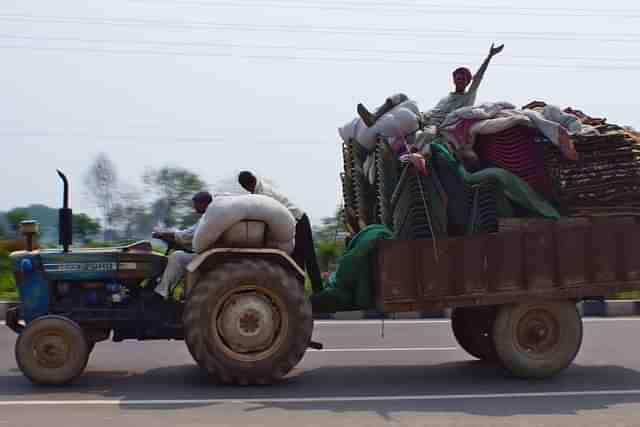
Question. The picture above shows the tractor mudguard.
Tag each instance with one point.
(207, 260)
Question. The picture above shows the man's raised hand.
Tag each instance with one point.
(495, 50)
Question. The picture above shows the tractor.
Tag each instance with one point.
(244, 314)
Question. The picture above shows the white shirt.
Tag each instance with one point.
(267, 190)
(455, 100)
(185, 237)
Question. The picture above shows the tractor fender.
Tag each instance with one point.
(207, 260)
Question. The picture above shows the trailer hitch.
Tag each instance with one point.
(316, 345)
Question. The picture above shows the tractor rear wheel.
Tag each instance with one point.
(52, 350)
(473, 329)
(248, 322)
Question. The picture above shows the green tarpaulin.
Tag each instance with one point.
(349, 287)
(509, 185)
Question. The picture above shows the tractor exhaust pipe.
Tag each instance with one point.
(65, 226)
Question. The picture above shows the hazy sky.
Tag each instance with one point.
(219, 86)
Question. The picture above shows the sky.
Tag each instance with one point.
(218, 86)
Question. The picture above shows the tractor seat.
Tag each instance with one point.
(143, 246)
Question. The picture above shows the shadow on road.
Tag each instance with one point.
(468, 377)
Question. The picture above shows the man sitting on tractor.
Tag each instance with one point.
(179, 259)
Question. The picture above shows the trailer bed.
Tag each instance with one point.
(572, 258)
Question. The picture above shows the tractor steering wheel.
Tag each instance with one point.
(170, 241)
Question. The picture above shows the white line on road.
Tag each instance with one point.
(342, 399)
(442, 321)
(353, 350)
(419, 321)
(376, 322)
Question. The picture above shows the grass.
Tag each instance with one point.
(7, 287)
(626, 295)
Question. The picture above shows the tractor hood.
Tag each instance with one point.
(89, 264)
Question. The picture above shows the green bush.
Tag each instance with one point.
(328, 252)
(95, 244)
(627, 295)
(7, 284)
(7, 287)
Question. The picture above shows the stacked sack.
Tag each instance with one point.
(223, 213)
(606, 177)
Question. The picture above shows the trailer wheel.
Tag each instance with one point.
(52, 350)
(473, 329)
(537, 340)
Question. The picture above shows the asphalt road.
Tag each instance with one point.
(414, 376)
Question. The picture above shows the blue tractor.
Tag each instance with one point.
(244, 316)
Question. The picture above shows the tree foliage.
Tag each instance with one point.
(85, 228)
(329, 239)
(101, 183)
(174, 187)
(14, 217)
(133, 216)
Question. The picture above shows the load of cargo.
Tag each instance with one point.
(484, 168)
(483, 163)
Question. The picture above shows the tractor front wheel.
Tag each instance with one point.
(52, 350)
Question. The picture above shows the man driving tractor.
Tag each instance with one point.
(177, 262)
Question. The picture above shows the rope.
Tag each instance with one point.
(426, 208)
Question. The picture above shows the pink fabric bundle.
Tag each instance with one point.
(515, 150)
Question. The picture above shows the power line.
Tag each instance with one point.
(406, 8)
(151, 138)
(374, 60)
(406, 33)
(295, 47)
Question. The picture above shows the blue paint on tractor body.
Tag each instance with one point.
(34, 271)
(33, 288)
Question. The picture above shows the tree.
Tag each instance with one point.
(132, 216)
(332, 227)
(3, 231)
(85, 227)
(329, 240)
(101, 182)
(15, 217)
(174, 188)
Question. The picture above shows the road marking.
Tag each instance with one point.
(377, 322)
(346, 350)
(418, 321)
(343, 399)
(442, 321)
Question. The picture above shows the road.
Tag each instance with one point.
(415, 375)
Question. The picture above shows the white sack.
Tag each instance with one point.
(402, 118)
(224, 212)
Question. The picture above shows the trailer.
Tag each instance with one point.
(513, 284)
